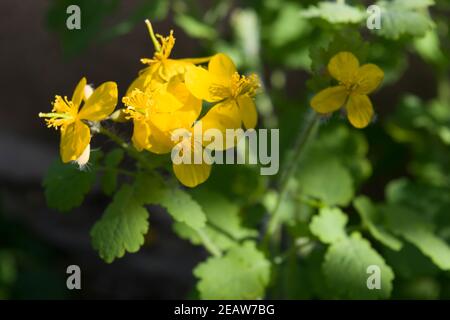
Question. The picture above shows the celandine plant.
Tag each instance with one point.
(302, 233)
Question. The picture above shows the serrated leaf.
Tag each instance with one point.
(329, 225)
(122, 227)
(345, 269)
(334, 12)
(328, 181)
(66, 185)
(371, 220)
(150, 189)
(348, 147)
(429, 48)
(223, 217)
(109, 178)
(419, 231)
(242, 273)
(404, 17)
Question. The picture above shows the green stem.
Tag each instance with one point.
(288, 172)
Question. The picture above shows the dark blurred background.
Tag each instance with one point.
(37, 244)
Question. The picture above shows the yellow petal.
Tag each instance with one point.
(222, 67)
(165, 102)
(201, 83)
(359, 110)
(329, 99)
(77, 96)
(368, 78)
(343, 67)
(138, 83)
(192, 106)
(101, 103)
(141, 133)
(159, 142)
(247, 111)
(74, 139)
(172, 68)
(196, 60)
(191, 175)
(224, 115)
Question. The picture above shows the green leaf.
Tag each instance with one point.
(329, 225)
(246, 27)
(335, 12)
(430, 201)
(66, 185)
(328, 181)
(122, 227)
(345, 269)
(405, 17)
(151, 189)
(109, 178)
(195, 28)
(371, 220)
(419, 231)
(242, 273)
(350, 147)
(223, 221)
(409, 262)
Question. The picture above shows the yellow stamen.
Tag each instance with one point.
(63, 112)
(244, 85)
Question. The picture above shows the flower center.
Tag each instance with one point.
(63, 112)
(138, 104)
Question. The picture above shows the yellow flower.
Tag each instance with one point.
(191, 174)
(67, 115)
(355, 83)
(161, 68)
(156, 113)
(221, 83)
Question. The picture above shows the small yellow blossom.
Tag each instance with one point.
(161, 68)
(355, 83)
(234, 93)
(68, 116)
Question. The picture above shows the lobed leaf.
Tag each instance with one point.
(122, 227)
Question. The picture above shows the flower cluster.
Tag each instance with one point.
(355, 83)
(167, 95)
